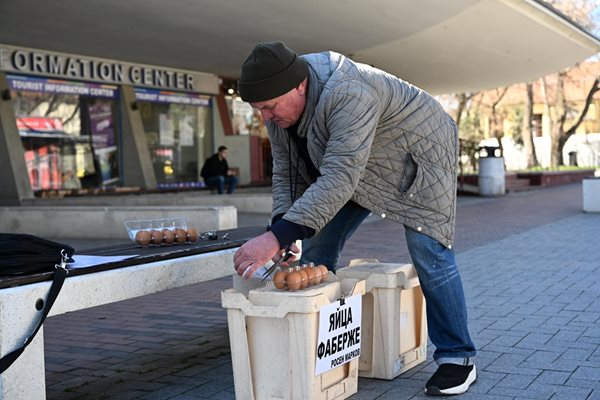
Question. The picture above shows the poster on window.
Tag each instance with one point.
(242, 117)
(167, 130)
(186, 131)
(101, 123)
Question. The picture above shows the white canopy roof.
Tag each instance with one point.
(442, 46)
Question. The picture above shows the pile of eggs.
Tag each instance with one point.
(165, 236)
(300, 277)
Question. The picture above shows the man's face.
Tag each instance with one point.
(286, 109)
(223, 153)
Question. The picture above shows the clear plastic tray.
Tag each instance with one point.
(149, 225)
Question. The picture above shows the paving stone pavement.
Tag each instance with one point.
(530, 264)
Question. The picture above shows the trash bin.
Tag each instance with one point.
(489, 152)
(274, 339)
(491, 172)
(394, 324)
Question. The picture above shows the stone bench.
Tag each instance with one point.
(99, 285)
(243, 201)
(107, 221)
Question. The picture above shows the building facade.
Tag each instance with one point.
(72, 123)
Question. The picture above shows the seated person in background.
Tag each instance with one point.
(216, 172)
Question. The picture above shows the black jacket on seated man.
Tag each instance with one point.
(216, 172)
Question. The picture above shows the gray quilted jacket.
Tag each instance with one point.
(376, 140)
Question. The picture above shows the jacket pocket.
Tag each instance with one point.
(409, 174)
(428, 186)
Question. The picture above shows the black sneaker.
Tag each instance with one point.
(451, 379)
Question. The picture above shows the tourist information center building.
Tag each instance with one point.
(70, 122)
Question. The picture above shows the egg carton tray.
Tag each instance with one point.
(161, 231)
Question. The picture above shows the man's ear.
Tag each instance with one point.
(302, 87)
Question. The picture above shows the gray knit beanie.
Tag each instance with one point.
(271, 69)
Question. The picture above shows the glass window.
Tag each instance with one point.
(244, 119)
(536, 122)
(248, 121)
(68, 131)
(176, 126)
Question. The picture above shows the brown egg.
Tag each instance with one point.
(312, 278)
(143, 238)
(157, 237)
(304, 278)
(192, 234)
(324, 273)
(294, 281)
(318, 275)
(279, 279)
(169, 236)
(180, 235)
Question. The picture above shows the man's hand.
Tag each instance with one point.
(255, 253)
(294, 249)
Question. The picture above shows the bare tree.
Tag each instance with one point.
(556, 114)
(463, 100)
(471, 132)
(579, 11)
(582, 13)
(559, 134)
(565, 134)
(497, 115)
(527, 129)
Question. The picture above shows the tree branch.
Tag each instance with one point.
(595, 88)
(75, 111)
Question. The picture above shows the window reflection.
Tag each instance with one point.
(70, 140)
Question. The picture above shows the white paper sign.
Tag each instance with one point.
(83, 261)
(186, 131)
(339, 333)
(166, 129)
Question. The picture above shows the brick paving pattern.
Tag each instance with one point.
(530, 263)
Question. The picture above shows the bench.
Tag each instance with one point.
(89, 221)
(151, 270)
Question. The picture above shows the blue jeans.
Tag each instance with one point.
(219, 182)
(436, 267)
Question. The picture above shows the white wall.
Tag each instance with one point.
(586, 146)
(239, 155)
